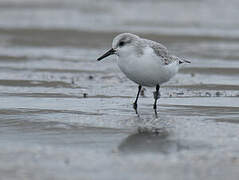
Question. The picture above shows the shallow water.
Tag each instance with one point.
(65, 116)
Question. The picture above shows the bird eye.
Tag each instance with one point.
(121, 43)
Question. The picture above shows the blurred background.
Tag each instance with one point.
(65, 116)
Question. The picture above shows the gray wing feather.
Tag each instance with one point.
(162, 52)
(159, 49)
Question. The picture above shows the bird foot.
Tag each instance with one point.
(156, 96)
(135, 107)
(156, 113)
(155, 106)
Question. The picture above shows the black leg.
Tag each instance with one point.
(156, 96)
(136, 100)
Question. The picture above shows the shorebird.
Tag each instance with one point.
(145, 62)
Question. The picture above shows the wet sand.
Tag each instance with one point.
(65, 116)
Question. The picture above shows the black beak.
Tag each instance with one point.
(108, 53)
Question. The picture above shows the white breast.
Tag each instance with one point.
(147, 69)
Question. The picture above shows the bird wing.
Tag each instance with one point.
(158, 48)
(162, 52)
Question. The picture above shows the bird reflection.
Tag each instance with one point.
(157, 141)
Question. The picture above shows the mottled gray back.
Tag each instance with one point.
(159, 49)
(162, 52)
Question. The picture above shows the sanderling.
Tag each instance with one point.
(145, 62)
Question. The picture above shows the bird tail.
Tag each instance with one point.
(182, 60)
